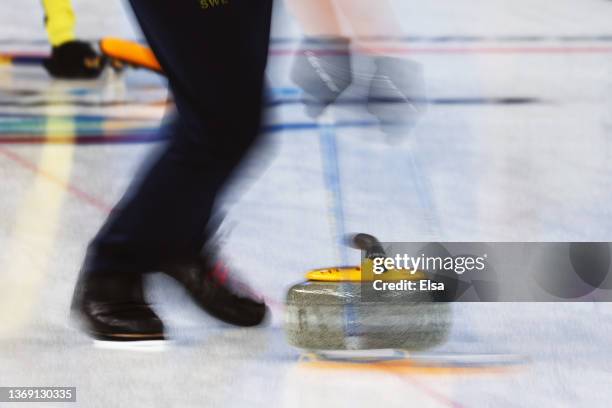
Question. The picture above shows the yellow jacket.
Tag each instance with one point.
(59, 21)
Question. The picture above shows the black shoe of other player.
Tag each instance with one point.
(74, 60)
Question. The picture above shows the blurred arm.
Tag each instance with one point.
(364, 17)
(370, 19)
(318, 18)
(59, 21)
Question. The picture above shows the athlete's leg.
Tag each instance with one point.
(215, 59)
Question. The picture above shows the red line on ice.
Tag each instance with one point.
(279, 52)
(75, 191)
(459, 50)
(430, 391)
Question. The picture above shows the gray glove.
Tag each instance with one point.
(397, 94)
(322, 70)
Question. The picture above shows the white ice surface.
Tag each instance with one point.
(492, 173)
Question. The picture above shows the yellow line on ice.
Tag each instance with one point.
(32, 244)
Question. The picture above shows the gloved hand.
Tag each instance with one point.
(322, 70)
(74, 60)
(397, 94)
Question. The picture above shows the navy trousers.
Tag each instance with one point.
(214, 53)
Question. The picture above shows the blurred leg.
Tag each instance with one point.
(214, 54)
(215, 59)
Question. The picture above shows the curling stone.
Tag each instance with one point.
(336, 309)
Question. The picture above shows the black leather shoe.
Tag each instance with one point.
(112, 307)
(209, 286)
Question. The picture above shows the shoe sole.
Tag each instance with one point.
(121, 337)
